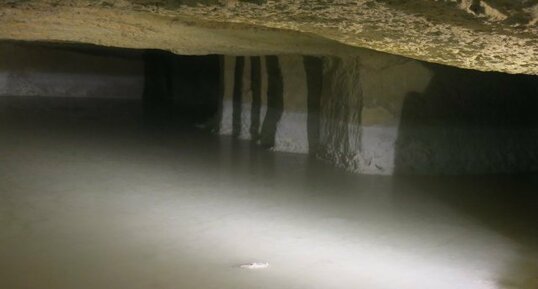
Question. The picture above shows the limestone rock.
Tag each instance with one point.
(488, 35)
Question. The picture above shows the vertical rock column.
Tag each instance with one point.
(265, 100)
(383, 114)
(292, 132)
(385, 80)
(361, 105)
(236, 97)
(340, 115)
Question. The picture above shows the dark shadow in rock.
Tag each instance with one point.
(256, 83)
(314, 81)
(275, 102)
(237, 96)
(157, 82)
(180, 88)
(214, 122)
(469, 122)
(195, 86)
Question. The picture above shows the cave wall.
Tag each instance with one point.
(373, 113)
(62, 81)
(53, 71)
(467, 121)
(385, 114)
(71, 78)
(265, 100)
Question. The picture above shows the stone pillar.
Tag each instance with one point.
(341, 107)
(292, 132)
(271, 102)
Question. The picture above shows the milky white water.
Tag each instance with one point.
(93, 201)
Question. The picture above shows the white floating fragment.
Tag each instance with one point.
(255, 266)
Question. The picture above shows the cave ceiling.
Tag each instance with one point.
(491, 35)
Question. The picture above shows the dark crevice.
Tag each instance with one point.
(180, 88)
(469, 121)
(237, 96)
(275, 102)
(314, 82)
(256, 98)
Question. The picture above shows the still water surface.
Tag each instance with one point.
(98, 200)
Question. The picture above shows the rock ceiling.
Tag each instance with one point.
(491, 35)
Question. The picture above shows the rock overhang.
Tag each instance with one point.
(482, 35)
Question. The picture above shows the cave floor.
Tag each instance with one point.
(93, 201)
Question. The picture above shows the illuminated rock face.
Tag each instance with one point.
(266, 100)
(488, 35)
(355, 82)
(382, 114)
(372, 113)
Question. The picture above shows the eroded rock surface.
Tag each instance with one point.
(389, 115)
(492, 35)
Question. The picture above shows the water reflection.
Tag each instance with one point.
(106, 201)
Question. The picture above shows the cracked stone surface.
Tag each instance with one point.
(495, 35)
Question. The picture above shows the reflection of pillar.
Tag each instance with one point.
(314, 80)
(237, 99)
(275, 102)
(256, 97)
